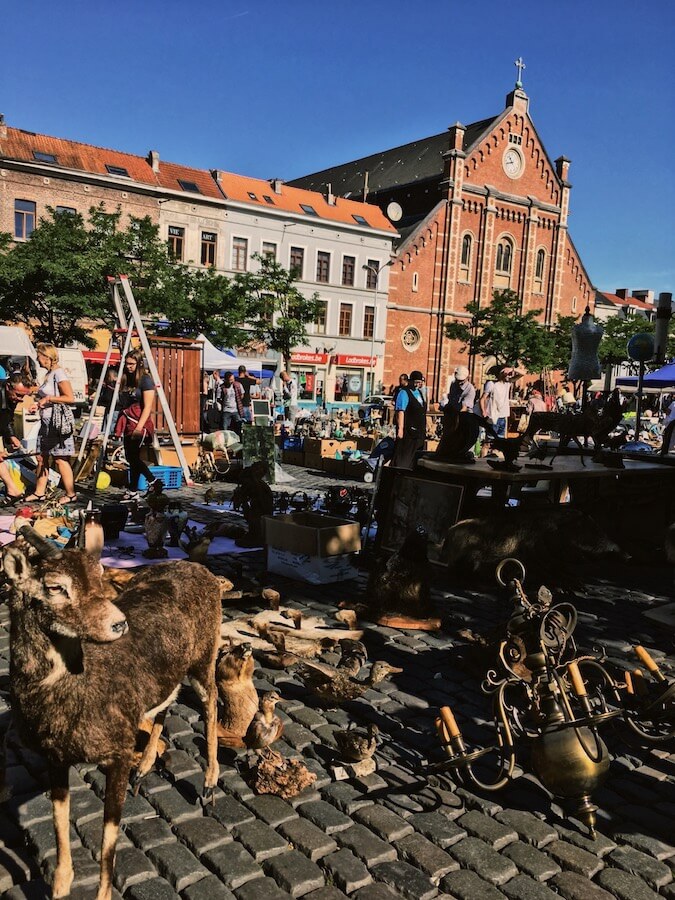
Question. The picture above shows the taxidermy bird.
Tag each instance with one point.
(266, 726)
(209, 495)
(238, 696)
(271, 597)
(332, 685)
(356, 744)
(196, 543)
(398, 591)
(177, 518)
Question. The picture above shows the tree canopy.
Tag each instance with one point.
(619, 330)
(277, 312)
(502, 330)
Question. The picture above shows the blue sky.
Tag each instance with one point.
(280, 88)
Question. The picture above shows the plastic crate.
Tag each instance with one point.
(294, 442)
(171, 476)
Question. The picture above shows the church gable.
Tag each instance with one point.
(511, 158)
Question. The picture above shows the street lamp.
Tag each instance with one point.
(376, 272)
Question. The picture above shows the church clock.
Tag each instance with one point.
(513, 163)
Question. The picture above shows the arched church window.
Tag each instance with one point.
(539, 270)
(504, 256)
(465, 258)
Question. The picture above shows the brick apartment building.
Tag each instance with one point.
(215, 218)
(478, 207)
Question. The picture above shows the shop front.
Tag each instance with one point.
(351, 378)
(309, 371)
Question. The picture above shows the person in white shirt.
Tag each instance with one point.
(289, 390)
(495, 403)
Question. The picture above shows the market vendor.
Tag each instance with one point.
(410, 418)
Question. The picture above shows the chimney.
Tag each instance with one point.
(330, 196)
(457, 136)
(153, 159)
(215, 174)
(365, 186)
(3, 127)
(622, 292)
(276, 185)
(562, 167)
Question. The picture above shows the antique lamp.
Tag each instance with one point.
(548, 695)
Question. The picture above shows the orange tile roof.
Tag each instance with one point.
(627, 301)
(238, 187)
(19, 145)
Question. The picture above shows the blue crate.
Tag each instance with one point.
(293, 442)
(171, 476)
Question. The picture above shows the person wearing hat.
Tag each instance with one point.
(410, 418)
(462, 394)
(496, 403)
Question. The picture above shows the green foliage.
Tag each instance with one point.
(504, 331)
(619, 330)
(56, 282)
(277, 312)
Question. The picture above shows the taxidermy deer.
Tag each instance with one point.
(85, 671)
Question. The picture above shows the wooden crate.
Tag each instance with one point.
(313, 460)
(293, 457)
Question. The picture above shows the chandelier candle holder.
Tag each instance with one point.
(556, 700)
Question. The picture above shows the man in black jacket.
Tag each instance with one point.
(410, 419)
(8, 401)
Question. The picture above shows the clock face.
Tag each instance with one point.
(513, 163)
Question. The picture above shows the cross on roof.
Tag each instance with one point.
(520, 65)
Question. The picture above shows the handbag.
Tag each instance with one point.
(62, 421)
(128, 421)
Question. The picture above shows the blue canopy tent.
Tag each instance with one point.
(661, 379)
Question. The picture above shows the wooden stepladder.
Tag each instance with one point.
(129, 323)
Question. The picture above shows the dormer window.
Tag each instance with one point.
(189, 186)
(359, 220)
(306, 208)
(252, 195)
(116, 170)
(268, 199)
(43, 157)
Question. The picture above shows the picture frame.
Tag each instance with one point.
(420, 502)
(261, 412)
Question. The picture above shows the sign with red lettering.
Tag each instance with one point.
(358, 361)
(316, 358)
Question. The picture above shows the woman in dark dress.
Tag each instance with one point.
(137, 400)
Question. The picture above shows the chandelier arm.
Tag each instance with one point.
(594, 754)
(505, 746)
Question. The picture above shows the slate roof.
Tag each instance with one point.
(411, 163)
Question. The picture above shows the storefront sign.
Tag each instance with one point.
(359, 361)
(316, 358)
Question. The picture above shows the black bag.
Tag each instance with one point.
(62, 422)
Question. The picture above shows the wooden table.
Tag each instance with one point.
(636, 501)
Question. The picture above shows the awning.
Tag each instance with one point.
(98, 356)
(661, 378)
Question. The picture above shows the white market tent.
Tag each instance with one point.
(213, 358)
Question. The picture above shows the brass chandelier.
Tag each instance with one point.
(548, 695)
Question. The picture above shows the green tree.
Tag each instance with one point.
(619, 330)
(277, 312)
(502, 330)
(53, 281)
(56, 282)
(561, 343)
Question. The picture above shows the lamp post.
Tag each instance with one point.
(376, 272)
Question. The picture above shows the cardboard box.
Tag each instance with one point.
(430, 446)
(312, 569)
(169, 457)
(312, 534)
(333, 466)
(313, 460)
(293, 457)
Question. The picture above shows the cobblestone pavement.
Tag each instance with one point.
(384, 835)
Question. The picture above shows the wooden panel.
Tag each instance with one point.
(179, 366)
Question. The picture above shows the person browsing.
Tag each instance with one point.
(410, 418)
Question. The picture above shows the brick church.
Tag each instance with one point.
(479, 208)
